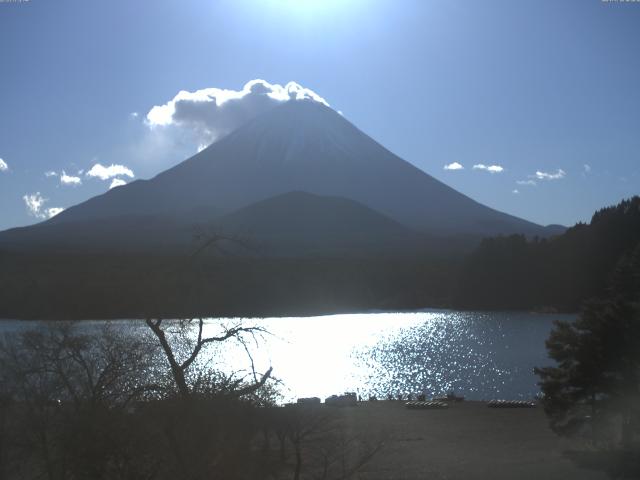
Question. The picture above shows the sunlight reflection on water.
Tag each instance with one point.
(479, 355)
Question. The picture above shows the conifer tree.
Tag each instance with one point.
(597, 375)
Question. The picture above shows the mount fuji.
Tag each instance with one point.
(299, 146)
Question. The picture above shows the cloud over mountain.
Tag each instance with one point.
(214, 112)
(113, 170)
(35, 206)
(117, 182)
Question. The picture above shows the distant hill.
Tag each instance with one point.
(117, 234)
(302, 223)
(292, 224)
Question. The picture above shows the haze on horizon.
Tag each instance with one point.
(530, 109)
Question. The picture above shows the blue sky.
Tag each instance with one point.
(546, 90)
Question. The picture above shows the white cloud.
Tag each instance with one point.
(515, 190)
(3, 166)
(550, 176)
(35, 206)
(213, 112)
(53, 211)
(454, 166)
(69, 179)
(105, 173)
(50, 173)
(134, 114)
(587, 168)
(531, 183)
(34, 203)
(117, 182)
(489, 168)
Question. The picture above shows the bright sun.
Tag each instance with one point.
(309, 7)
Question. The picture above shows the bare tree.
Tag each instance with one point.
(179, 368)
(68, 394)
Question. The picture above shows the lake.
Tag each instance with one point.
(481, 355)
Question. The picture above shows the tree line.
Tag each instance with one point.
(559, 273)
(508, 272)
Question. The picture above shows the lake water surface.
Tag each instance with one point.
(479, 355)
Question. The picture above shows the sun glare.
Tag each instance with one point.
(310, 8)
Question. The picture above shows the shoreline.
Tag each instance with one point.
(302, 316)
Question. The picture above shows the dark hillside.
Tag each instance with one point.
(559, 273)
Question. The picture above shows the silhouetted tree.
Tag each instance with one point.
(67, 396)
(179, 368)
(597, 375)
(98, 403)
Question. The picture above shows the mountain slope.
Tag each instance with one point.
(115, 234)
(303, 146)
(302, 223)
(292, 224)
